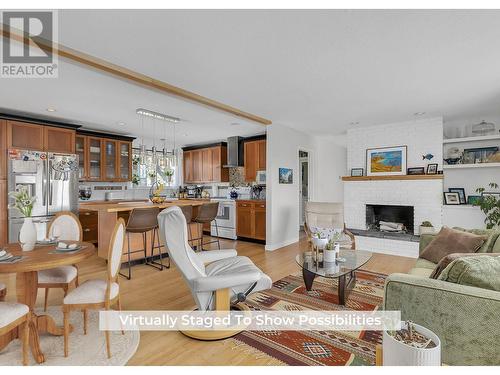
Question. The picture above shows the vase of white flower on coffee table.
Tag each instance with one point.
(24, 202)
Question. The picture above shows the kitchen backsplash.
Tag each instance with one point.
(237, 176)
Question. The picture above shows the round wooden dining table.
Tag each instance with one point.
(41, 258)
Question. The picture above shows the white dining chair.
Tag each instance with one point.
(13, 315)
(97, 294)
(66, 227)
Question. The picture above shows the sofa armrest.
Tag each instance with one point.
(465, 318)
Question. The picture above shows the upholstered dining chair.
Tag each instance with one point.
(13, 315)
(3, 292)
(67, 226)
(216, 278)
(97, 294)
(328, 215)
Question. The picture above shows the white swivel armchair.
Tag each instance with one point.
(216, 278)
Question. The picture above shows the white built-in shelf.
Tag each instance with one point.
(467, 166)
(472, 139)
(460, 206)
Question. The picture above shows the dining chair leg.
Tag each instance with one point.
(85, 315)
(66, 331)
(128, 260)
(46, 299)
(217, 233)
(119, 303)
(25, 340)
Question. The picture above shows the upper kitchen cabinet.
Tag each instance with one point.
(124, 161)
(254, 159)
(94, 157)
(205, 164)
(24, 135)
(110, 164)
(80, 149)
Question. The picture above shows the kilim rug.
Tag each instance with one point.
(316, 348)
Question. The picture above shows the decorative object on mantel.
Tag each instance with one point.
(23, 202)
(451, 198)
(356, 172)
(432, 168)
(453, 156)
(415, 171)
(285, 176)
(483, 128)
(386, 161)
(426, 228)
(427, 156)
(413, 345)
(473, 200)
(461, 194)
(489, 203)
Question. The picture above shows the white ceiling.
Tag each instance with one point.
(312, 70)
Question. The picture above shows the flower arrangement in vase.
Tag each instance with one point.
(24, 203)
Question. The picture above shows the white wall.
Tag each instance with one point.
(328, 161)
(421, 136)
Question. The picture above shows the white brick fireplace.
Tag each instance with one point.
(421, 137)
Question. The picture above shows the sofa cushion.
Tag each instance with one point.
(478, 271)
(422, 272)
(490, 243)
(449, 241)
(424, 263)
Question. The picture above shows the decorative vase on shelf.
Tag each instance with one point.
(27, 235)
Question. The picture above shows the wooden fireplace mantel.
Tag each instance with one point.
(405, 177)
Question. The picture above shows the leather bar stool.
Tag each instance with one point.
(188, 215)
(144, 220)
(206, 214)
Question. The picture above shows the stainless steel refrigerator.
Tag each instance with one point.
(51, 177)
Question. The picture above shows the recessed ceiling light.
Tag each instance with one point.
(51, 109)
(419, 113)
(354, 123)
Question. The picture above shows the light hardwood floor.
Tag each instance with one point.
(150, 289)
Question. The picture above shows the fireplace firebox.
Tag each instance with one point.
(375, 213)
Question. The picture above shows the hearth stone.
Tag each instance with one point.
(387, 235)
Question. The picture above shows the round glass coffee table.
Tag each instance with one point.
(343, 269)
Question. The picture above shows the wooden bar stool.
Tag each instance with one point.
(206, 214)
(188, 214)
(144, 220)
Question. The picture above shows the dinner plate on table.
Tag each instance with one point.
(46, 242)
(68, 249)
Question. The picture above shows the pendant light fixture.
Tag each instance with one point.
(142, 155)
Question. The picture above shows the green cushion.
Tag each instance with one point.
(488, 245)
(422, 272)
(479, 271)
(424, 263)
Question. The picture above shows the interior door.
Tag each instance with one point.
(304, 186)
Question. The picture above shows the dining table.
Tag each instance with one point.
(26, 269)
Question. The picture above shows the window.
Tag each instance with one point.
(150, 171)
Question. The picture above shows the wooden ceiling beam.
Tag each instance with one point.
(128, 74)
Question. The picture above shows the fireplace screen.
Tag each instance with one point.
(387, 218)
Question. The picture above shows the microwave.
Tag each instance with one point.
(261, 177)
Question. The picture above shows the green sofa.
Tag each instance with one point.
(466, 319)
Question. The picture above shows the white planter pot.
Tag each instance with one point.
(329, 255)
(27, 235)
(426, 230)
(396, 353)
(320, 243)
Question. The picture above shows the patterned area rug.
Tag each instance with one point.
(316, 348)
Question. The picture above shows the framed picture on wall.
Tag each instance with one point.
(416, 171)
(461, 194)
(285, 176)
(432, 168)
(386, 161)
(451, 198)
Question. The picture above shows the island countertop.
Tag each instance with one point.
(129, 206)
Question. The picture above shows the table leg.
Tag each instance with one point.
(344, 286)
(308, 278)
(27, 289)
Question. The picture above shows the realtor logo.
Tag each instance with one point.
(28, 44)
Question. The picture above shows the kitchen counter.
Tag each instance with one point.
(129, 206)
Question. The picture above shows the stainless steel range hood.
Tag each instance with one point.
(234, 152)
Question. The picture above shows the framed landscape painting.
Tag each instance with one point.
(285, 176)
(386, 161)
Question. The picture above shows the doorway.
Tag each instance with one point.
(304, 168)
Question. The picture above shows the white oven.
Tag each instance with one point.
(226, 219)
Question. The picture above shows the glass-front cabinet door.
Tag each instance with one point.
(110, 159)
(80, 143)
(124, 160)
(95, 158)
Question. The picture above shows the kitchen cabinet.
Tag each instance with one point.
(3, 213)
(104, 159)
(3, 150)
(254, 158)
(88, 219)
(251, 219)
(205, 164)
(28, 136)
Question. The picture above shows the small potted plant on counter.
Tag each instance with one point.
(412, 345)
(426, 228)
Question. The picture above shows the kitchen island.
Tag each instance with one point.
(109, 212)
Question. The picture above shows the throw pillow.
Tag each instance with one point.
(443, 263)
(479, 271)
(491, 234)
(449, 241)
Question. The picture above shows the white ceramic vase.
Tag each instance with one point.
(329, 255)
(27, 235)
(426, 230)
(396, 353)
(320, 243)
